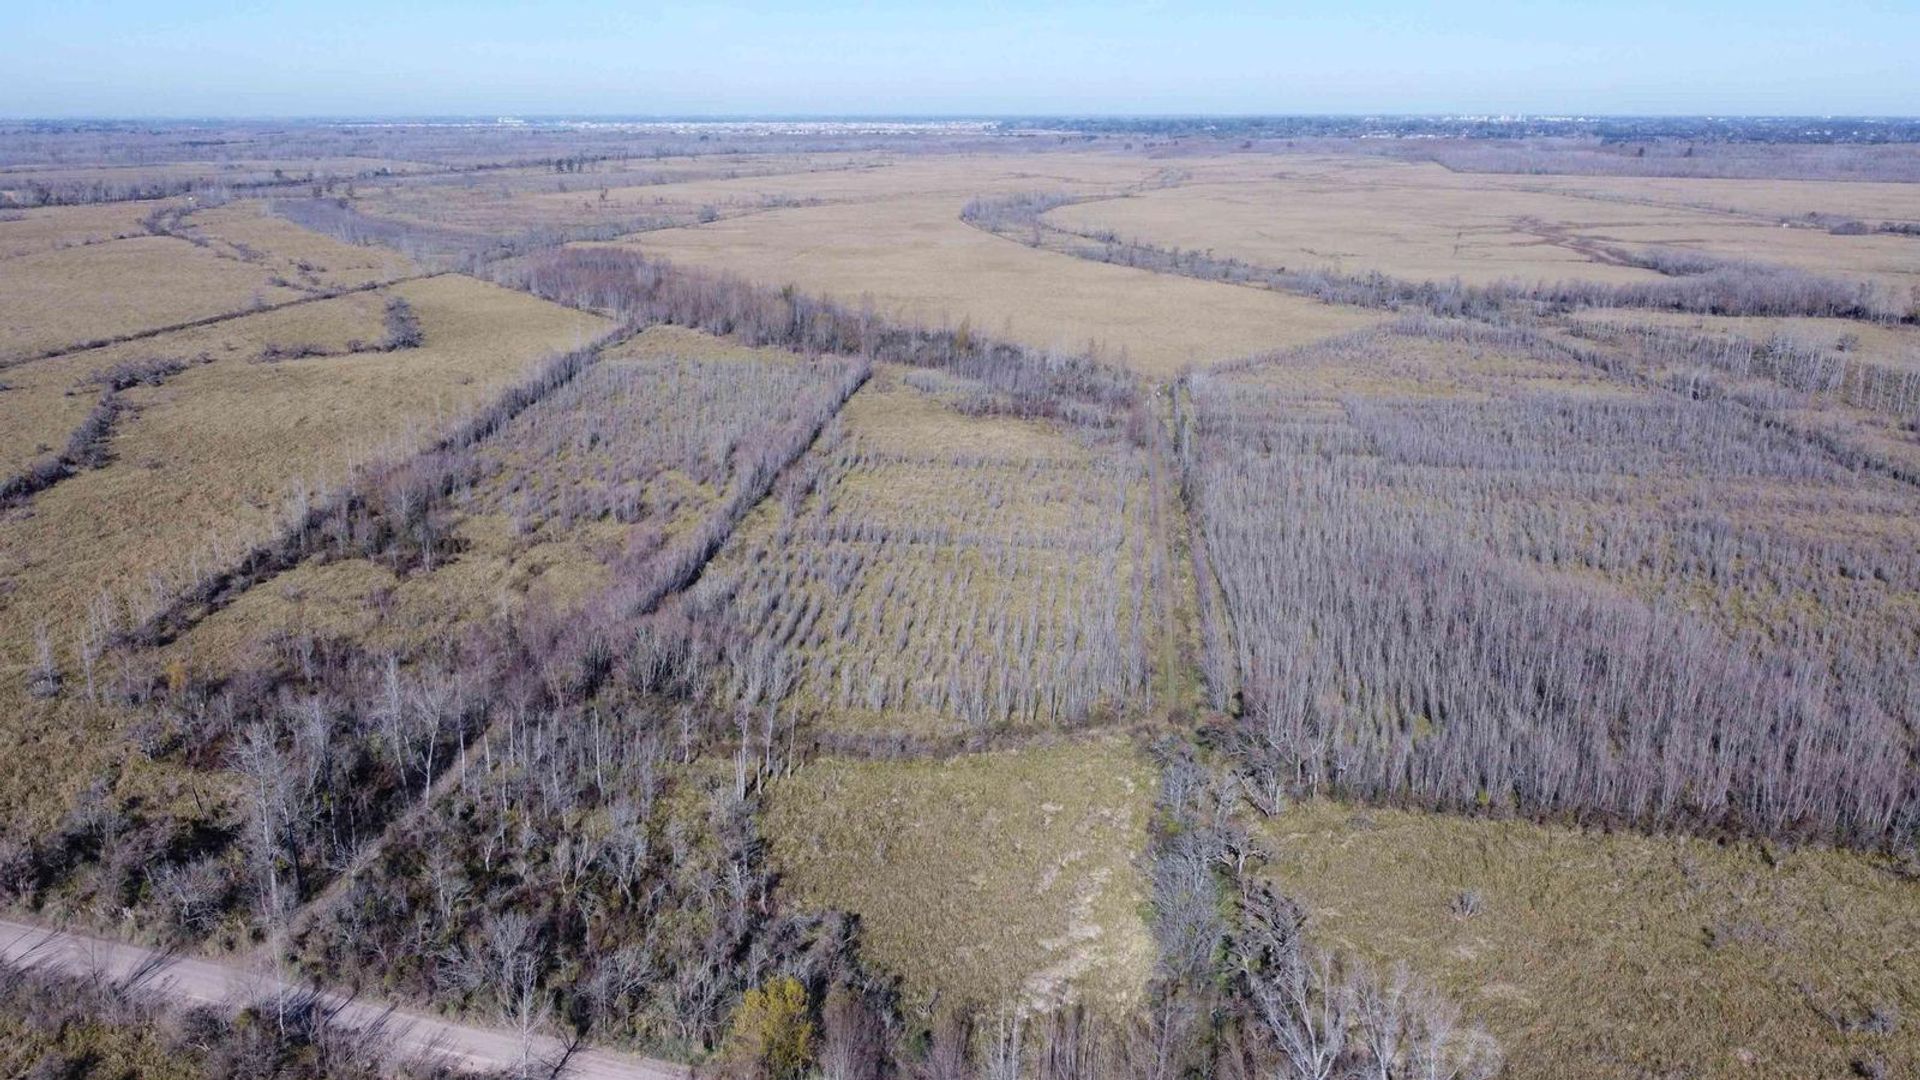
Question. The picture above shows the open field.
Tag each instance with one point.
(1615, 954)
(28, 232)
(1418, 223)
(293, 254)
(914, 259)
(698, 587)
(1802, 202)
(1422, 223)
(56, 299)
(992, 878)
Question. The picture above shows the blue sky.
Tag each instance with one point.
(397, 58)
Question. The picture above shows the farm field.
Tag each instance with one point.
(1063, 600)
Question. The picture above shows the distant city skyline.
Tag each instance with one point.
(596, 58)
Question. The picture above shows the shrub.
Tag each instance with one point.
(772, 1034)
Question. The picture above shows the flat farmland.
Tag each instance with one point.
(26, 232)
(57, 299)
(1422, 223)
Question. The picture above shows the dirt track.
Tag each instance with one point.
(192, 981)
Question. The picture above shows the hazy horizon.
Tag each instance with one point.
(596, 59)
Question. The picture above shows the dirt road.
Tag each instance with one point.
(192, 981)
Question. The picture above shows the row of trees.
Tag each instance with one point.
(989, 590)
(1807, 374)
(1392, 634)
(626, 284)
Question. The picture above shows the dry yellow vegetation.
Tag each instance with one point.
(24, 232)
(46, 398)
(55, 299)
(1778, 200)
(1354, 224)
(992, 879)
(1621, 955)
(1422, 222)
(292, 253)
(916, 260)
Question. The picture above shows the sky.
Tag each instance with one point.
(189, 58)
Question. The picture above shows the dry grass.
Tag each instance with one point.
(1779, 200)
(1620, 955)
(987, 879)
(1423, 223)
(1353, 224)
(57, 227)
(60, 298)
(211, 455)
(359, 600)
(292, 253)
(48, 397)
(612, 194)
(914, 259)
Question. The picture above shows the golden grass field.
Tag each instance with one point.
(26, 232)
(55, 299)
(514, 200)
(916, 260)
(992, 878)
(49, 396)
(292, 253)
(1619, 955)
(1422, 222)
